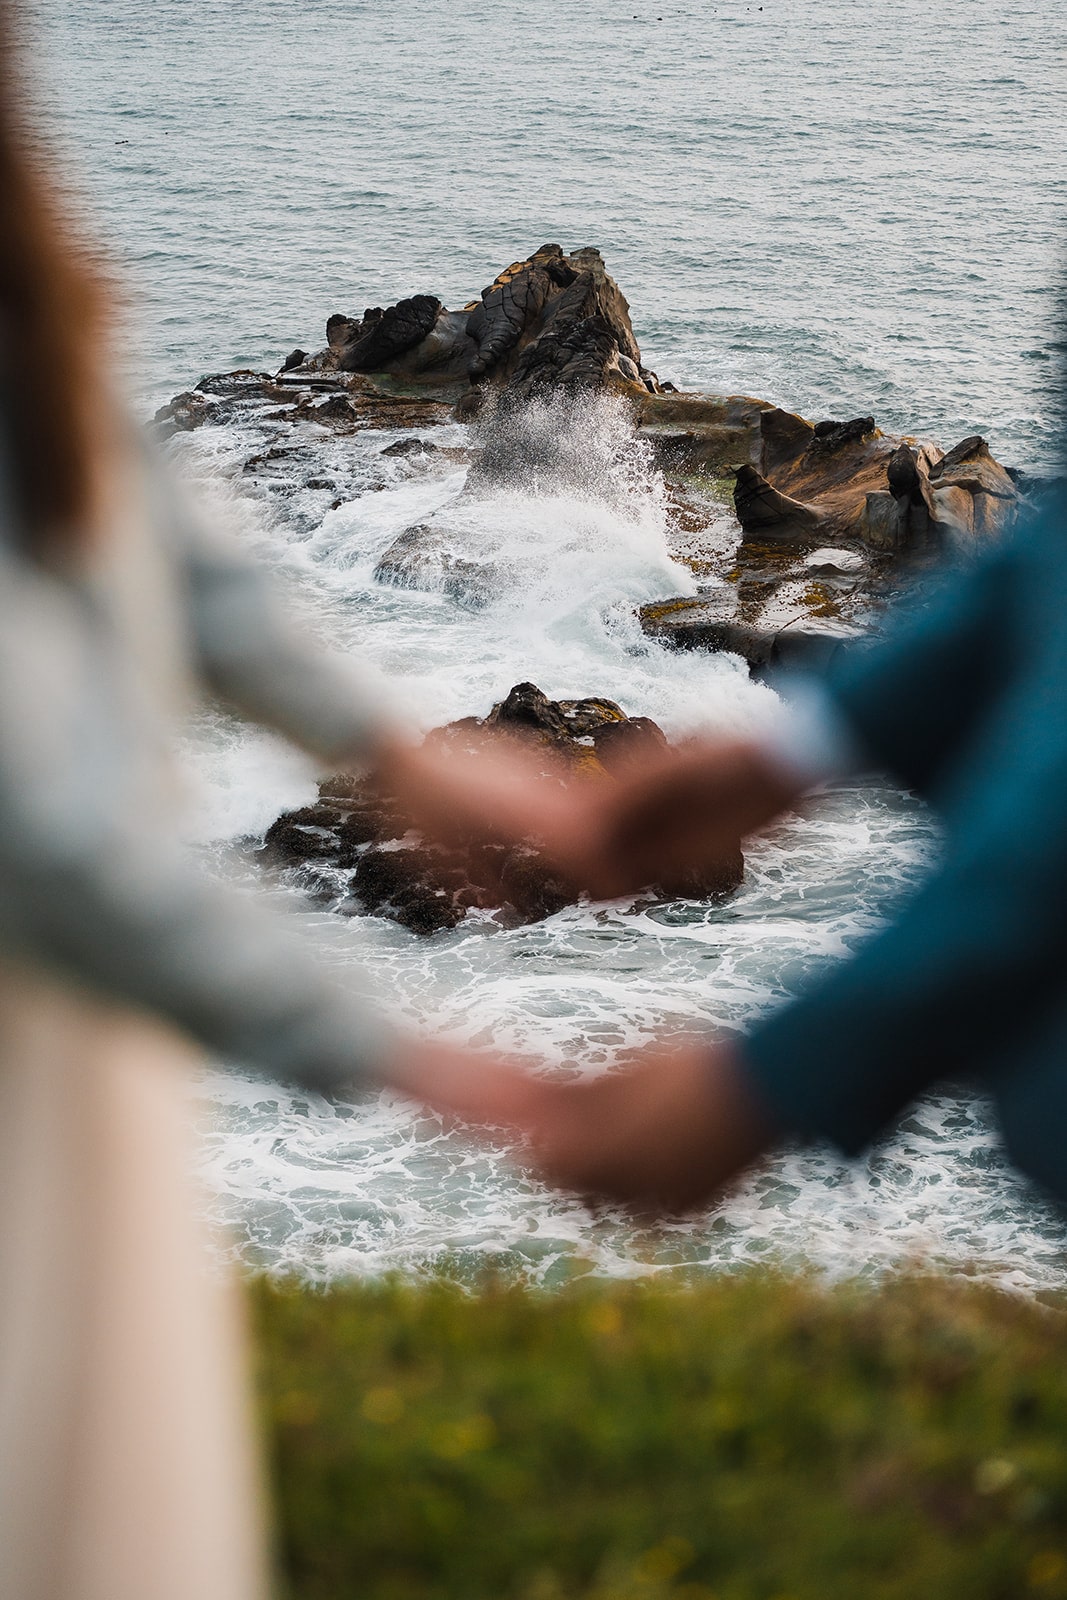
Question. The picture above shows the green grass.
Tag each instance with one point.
(757, 1438)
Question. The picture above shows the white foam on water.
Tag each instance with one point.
(322, 1189)
(569, 566)
(247, 198)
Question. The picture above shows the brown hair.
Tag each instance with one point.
(52, 313)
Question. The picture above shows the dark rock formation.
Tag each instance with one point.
(879, 508)
(835, 519)
(216, 399)
(354, 850)
(847, 480)
(766, 513)
(513, 304)
(579, 352)
(958, 501)
(182, 414)
(828, 436)
(410, 447)
(567, 303)
(833, 516)
(806, 643)
(370, 345)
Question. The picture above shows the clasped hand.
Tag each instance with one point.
(684, 809)
(667, 1132)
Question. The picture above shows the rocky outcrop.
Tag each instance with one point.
(380, 337)
(764, 512)
(835, 518)
(552, 320)
(848, 480)
(340, 403)
(353, 848)
(512, 307)
(805, 643)
(931, 501)
(419, 558)
(831, 516)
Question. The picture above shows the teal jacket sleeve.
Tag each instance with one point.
(970, 704)
(914, 701)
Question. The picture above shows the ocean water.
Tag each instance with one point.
(839, 208)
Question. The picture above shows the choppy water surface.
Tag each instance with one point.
(840, 209)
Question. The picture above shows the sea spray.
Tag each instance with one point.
(325, 1189)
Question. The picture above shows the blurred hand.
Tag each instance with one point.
(499, 1091)
(504, 792)
(683, 810)
(667, 1134)
(686, 809)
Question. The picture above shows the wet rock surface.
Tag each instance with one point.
(419, 558)
(353, 848)
(836, 519)
(552, 319)
(754, 492)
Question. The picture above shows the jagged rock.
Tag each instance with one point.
(527, 707)
(959, 499)
(409, 447)
(244, 383)
(372, 344)
(217, 398)
(337, 409)
(832, 514)
(578, 353)
(805, 644)
(569, 301)
(847, 480)
(304, 835)
(295, 358)
(829, 436)
(182, 414)
(406, 885)
(355, 849)
(766, 513)
(793, 598)
(512, 305)
(594, 293)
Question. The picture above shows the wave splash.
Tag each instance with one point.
(574, 521)
(562, 510)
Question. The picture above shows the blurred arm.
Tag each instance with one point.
(913, 702)
(971, 967)
(252, 655)
(90, 888)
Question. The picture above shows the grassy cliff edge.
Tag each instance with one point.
(756, 1438)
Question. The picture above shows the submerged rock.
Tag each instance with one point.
(419, 558)
(354, 850)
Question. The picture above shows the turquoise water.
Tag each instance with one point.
(841, 209)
